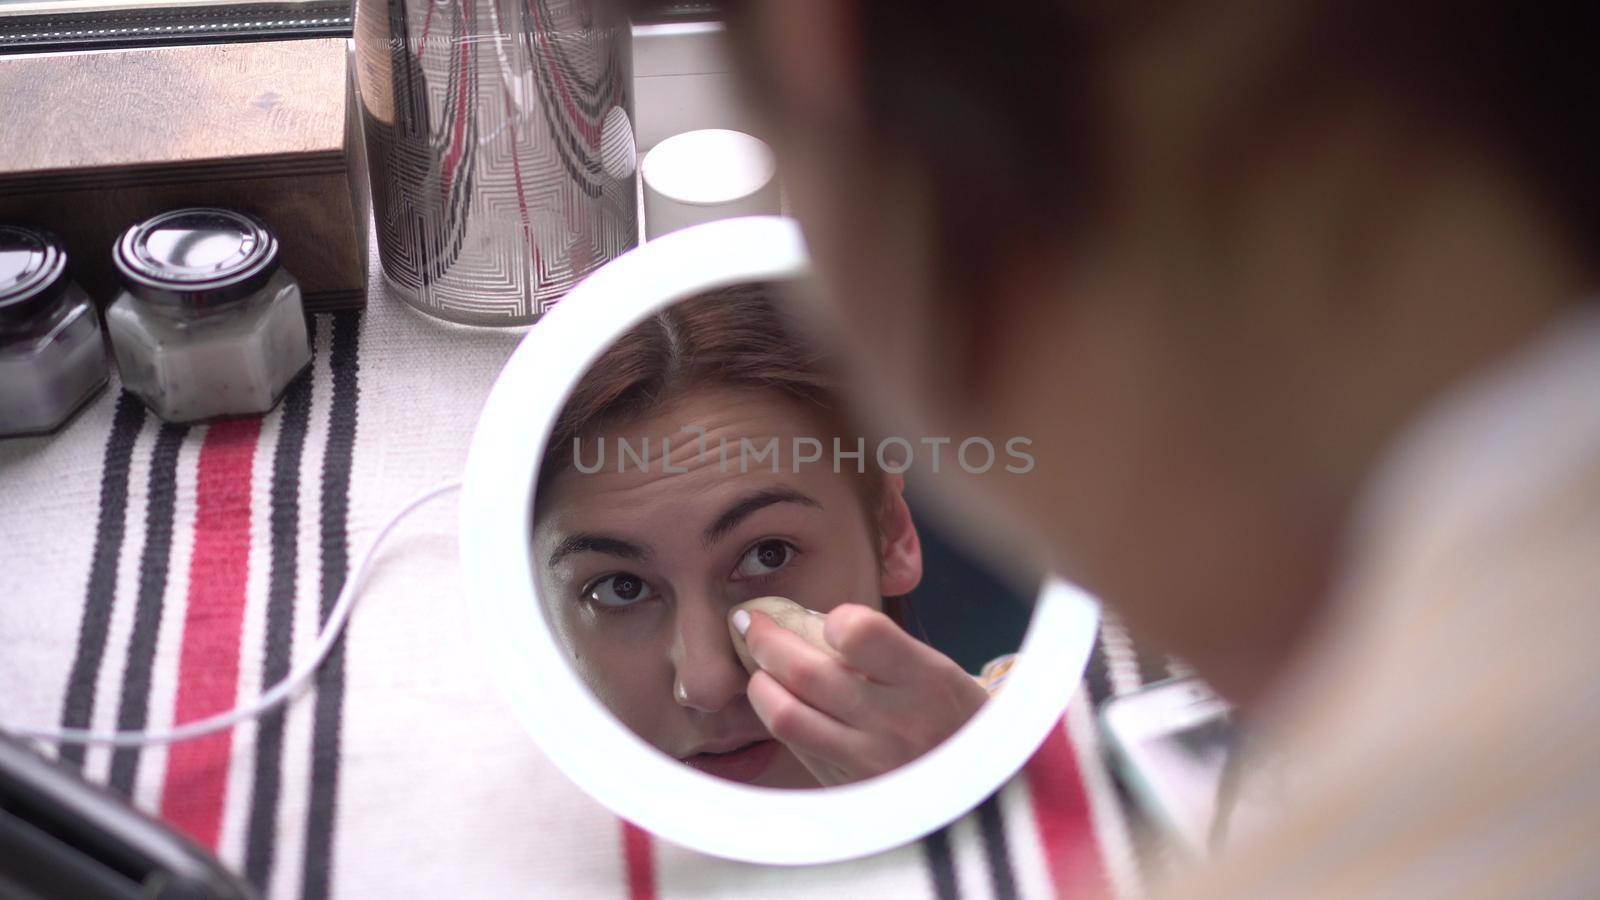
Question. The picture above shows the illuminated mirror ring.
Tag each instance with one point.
(579, 735)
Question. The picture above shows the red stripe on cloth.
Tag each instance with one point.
(1061, 809)
(640, 859)
(208, 661)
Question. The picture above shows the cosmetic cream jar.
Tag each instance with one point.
(52, 358)
(208, 324)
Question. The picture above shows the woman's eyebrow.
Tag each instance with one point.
(588, 542)
(748, 504)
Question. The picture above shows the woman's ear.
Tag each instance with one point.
(901, 549)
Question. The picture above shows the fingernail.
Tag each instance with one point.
(741, 621)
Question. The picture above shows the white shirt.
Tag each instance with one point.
(1443, 736)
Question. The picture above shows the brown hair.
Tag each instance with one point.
(729, 338)
(725, 338)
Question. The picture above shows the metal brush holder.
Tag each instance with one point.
(499, 137)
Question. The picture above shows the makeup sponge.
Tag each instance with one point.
(807, 623)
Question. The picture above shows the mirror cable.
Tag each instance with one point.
(291, 685)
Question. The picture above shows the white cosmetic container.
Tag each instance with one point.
(208, 325)
(52, 357)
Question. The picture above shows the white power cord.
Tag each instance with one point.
(291, 685)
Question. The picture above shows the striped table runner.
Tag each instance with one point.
(181, 570)
(153, 574)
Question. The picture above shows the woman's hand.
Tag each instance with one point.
(873, 699)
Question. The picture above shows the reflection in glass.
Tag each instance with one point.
(674, 490)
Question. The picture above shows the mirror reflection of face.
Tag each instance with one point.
(638, 571)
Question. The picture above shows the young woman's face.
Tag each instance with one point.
(638, 570)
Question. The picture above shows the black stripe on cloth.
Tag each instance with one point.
(941, 865)
(284, 526)
(344, 363)
(996, 849)
(133, 712)
(1153, 666)
(1096, 676)
(78, 707)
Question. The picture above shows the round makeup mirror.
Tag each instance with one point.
(587, 740)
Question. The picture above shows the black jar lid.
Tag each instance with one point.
(33, 270)
(199, 256)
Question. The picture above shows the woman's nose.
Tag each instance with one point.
(708, 673)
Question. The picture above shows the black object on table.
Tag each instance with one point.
(63, 837)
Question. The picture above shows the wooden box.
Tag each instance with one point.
(94, 141)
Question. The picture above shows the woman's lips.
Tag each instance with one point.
(745, 764)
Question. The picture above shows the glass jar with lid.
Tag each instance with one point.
(52, 357)
(208, 323)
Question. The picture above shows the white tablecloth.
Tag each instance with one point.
(152, 572)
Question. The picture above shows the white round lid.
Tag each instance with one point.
(709, 167)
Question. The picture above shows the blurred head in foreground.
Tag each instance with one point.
(1208, 256)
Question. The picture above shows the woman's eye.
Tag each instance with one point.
(622, 589)
(765, 557)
